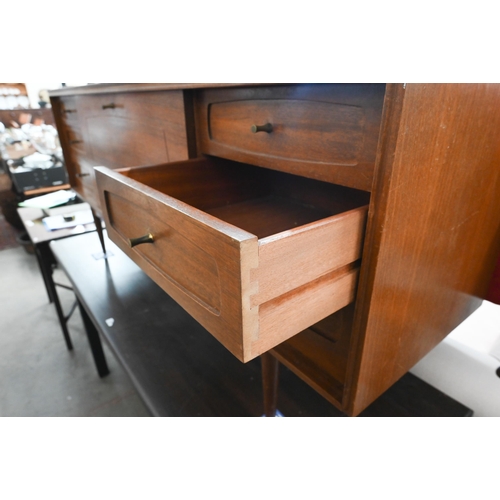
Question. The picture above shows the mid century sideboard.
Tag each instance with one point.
(344, 229)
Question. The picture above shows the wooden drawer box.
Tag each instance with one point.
(255, 255)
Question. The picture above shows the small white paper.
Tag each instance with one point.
(58, 221)
(49, 200)
(110, 321)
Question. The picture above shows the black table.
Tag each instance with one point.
(177, 367)
(40, 238)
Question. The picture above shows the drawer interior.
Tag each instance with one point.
(260, 201)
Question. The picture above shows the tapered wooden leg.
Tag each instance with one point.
(98, 226)
(270, 370)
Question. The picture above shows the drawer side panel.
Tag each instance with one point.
(296, 257)
(284, 317)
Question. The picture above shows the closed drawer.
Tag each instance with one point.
(132, 129)
(68, 108)
(254, 255)
(74, 138)
(119, 130)
(85, 184)
(323, 131)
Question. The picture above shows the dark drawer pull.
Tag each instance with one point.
(147, 238)
(262, 128)
(109, 106)
(76, 141)
(69, 110)
(82, 175)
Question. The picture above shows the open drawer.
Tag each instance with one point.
(254, 255)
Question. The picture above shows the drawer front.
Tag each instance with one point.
(74, 138)
(132, 129)
(66, 116)
(67, 109)
(197, 260)
(119, 130)
(250, 293)
(327, 132)
(85, 182)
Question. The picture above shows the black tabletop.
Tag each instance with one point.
(179, 369)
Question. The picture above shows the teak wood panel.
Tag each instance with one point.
(126, 130)
(323, 131)
(113, 88)
(434, 229)
(211, 267)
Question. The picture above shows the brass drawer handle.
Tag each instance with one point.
(147, 238)
(109, 106)
(75, 142)
(82, 175)
(262, 128)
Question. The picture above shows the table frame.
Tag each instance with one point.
(40, 239)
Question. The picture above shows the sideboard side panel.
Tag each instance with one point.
(436, 235)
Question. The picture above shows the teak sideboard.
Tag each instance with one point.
(345, 229)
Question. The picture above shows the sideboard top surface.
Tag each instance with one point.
(107, 88)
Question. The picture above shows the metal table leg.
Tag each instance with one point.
(45, 262)
(95, 342)
(45, 269)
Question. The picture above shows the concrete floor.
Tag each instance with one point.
(38, 375)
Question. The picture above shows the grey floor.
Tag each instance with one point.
(38, 375)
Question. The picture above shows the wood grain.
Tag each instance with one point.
(203, 183)
(142, 128)
(298, 256)
(289, 314)
(111, 88)
(325, 132)
(434, 233)
(268, 215)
